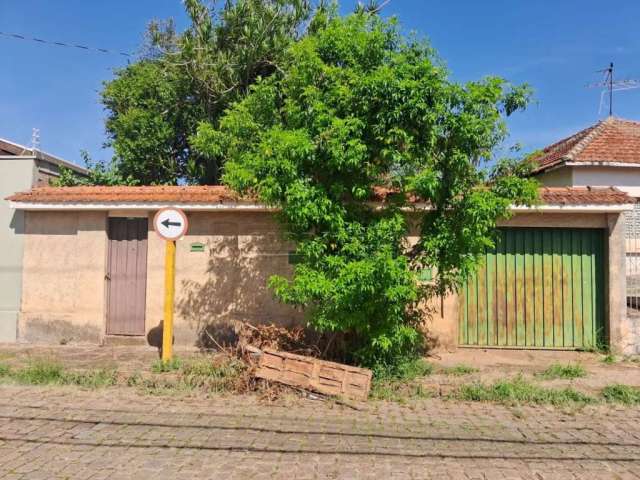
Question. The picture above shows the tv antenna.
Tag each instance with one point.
(35, 139)
(609, 85)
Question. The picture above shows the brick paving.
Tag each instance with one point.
(67, 433)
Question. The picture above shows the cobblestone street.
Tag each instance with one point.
(117, 434)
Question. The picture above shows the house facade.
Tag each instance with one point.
(93, 270)
(20, 168)
(604, 154)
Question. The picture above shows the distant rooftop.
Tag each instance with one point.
(613, 142)
(12, 149)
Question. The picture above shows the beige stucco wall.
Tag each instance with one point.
(64, 268)
(225, 283)
(63, 278)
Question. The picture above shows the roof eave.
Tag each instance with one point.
(256, 207)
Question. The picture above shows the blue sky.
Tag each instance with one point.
(556, 46)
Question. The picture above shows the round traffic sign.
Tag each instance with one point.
(170, 223)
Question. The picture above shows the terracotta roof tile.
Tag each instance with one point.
(219, 194)
(611, 140)
(584, 196)
(154, 194)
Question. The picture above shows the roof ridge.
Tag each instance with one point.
(586, 140)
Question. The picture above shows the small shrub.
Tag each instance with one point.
(459, 370)
(622, 394)
(160, 366)
(564, 371)
(517, 391)
(40, 372)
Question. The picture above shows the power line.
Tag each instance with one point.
(62, 44)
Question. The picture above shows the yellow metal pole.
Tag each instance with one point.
(169, 288)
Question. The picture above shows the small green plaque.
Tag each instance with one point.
(197, 247)
(425, 275)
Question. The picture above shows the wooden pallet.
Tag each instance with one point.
(313, 374)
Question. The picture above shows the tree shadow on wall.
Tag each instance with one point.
(234, 290)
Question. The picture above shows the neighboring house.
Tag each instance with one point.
(605, 154)
(93, 270)
(20, 168)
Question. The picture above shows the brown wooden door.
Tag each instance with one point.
(126, 276)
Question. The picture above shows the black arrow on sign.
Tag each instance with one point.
(167, 223)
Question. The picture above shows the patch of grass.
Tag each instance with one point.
(210, 373)
(400, 383)
(160, 366)
(220, 374)
(399, 392)
(40, 372)
(45, 372)
(563, 371)
(408, 369)
(624, 394)
(609, 359)
(4, 370)
(157, 386)
(459, 370)
(518, 391)
(92, 378)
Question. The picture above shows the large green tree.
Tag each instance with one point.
(154, 105)
(356, 112)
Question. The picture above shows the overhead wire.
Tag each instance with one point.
(63, 44)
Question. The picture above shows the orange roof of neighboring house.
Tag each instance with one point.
(613, 140)
(221, 194)
(584, 196)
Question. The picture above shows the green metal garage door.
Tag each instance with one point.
(540, 287)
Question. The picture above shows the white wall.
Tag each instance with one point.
(626, 179)
(15, 175)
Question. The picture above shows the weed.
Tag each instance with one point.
(213, 374)
(161, 366)
(399, 384)
(157, 386)
(4, 370)
(92, 378)
(609, 359)
(564, 371)
(622, 394)
(519, 391)
(40, 372)
(395, 391)
(409, 369)
(459, 370)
